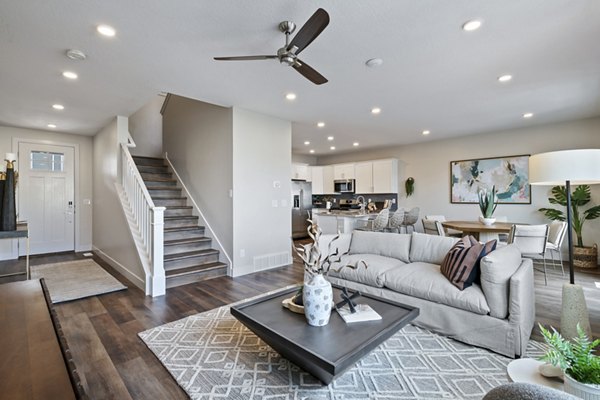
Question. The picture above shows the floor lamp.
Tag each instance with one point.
(568, 167)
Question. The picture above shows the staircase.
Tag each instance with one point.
(188, 256)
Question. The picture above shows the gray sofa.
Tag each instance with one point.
(497, 314)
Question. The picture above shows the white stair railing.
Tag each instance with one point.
(149, 221)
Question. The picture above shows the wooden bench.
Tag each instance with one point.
(35, 361)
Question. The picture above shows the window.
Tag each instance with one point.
(47, 161)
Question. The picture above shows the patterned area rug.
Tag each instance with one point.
(75, 280)
(213, 356)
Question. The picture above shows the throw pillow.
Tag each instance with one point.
(461, 265)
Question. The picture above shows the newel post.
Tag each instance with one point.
(158, 280)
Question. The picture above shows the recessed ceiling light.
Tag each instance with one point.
(290, 96)
(330, 138)
(426, 132)
(69, 75)
(374, 62)
(106, 30)
(332, 148)
(58, 106)
(472, 25)
(355, 144)
(76, 55)
(52, 126)
(306, 143)
(311, 151)
(504, 78)
(320, 124)
(375, 110)
(527, 115)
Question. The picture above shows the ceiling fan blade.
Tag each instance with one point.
(309, 73)
(245, 58)
(310, 30)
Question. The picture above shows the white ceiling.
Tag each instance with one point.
(435, 76)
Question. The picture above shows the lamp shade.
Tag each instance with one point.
(580, 167)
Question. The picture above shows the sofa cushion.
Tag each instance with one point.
(461, 264)
(496, 270)
(372, 275)
(382, 244)
(425, 281)
(430, 248)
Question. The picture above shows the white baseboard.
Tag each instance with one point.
(136, 280)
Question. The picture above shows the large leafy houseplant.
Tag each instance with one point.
(580, 197)
(575, 358)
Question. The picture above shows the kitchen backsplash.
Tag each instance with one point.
(319, 200)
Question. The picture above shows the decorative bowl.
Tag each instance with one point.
(487, 221)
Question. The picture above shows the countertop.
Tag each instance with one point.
(342, 213)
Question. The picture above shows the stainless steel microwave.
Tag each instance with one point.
(343, 186)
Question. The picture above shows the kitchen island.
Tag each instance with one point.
(330, 221)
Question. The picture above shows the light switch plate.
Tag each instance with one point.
(276, 184)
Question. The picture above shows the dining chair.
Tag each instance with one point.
(381, 220)
(433, 227)
(502, 237)
(448, 231)
(410, 219)
(556, 235)
(395, 220)
(531, 241)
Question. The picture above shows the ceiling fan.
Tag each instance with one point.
(288, 54)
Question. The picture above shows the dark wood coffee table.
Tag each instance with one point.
(326, 352)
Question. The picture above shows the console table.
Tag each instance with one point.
(21, 232)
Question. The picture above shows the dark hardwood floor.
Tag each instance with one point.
(115, 364)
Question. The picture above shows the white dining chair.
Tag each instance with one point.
(410, 219)
(531, 241)
(433, 227)
(556, 235)
(448, 231)
(396, 220)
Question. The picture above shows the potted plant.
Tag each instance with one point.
(317, 294)
(576, 359)
(487, 205)
(583, 257)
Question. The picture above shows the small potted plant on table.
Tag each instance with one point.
(576, 359)
(487, 205)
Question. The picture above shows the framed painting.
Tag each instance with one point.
(510, 175)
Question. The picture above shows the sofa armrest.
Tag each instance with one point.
(522, 302)
(342, 244)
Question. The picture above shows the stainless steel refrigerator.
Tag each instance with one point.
(301, 208)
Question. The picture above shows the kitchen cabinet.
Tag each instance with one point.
(379, 176)
(385, 176)
(363, 173)
(322, 179)
(301, 172)
(343, 171)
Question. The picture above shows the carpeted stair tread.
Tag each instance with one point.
(194, 269)
(147, 158)
(169, 198)
(179, 207)
(190, 254)
(159, 179)
(177, 217)
(162, 188)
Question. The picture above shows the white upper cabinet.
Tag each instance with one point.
(385, 176)
(363, 172)
(343, 171)
(322, 179)
(301, 171)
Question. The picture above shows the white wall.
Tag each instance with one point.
(198, 141)
(145, 127)
(429, 164)
(111, 235)
(83, 180)
(261, 179)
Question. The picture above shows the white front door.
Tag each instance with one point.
(47, 196)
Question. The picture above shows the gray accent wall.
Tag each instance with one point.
(145, 127)
(111, 235)
(429, 164)
(197, 138)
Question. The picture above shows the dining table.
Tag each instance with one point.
(481, 232)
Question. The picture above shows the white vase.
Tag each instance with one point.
(487, 221)
(581, 390)
(317, 297)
